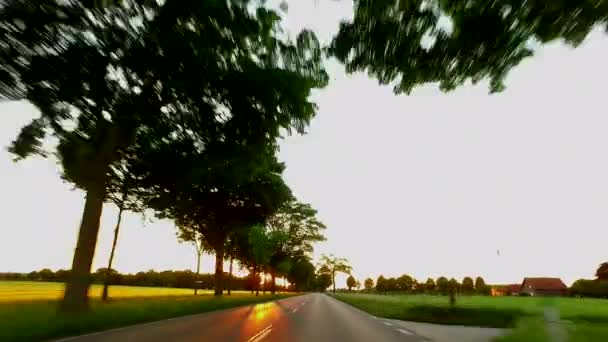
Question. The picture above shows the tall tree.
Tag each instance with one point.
(453, 289)
(323, 281)
(430, 285)
(259, 242)
(409, 43)
(299, 221)
(391, 285)
(190, 233)
(302, 275)
(381, 284)
(232, 246)
(231, 179)
(331, 264)
(442, 285)
(480, 285)
(405, 283)
(602, 271)
(294, 228)
(351, 282)
(181, 72)
(73, 61)
(368, 284)
(122, 191)
(467, 285)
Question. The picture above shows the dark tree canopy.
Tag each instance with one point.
(302, 275)
(211, 80)
(467, 285)
(323, 281)
(430, 285)
(368, 284)
(351, 282)
(413, 42)
(602, 271)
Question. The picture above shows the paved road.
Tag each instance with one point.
(307, 318)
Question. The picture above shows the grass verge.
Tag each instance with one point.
(588, 318)
(433, 312)
(38, 321)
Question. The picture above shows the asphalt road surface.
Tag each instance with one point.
(311, 317)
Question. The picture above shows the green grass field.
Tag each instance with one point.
(589, 317)
(18, 291)
(28, 310)
(574, 309)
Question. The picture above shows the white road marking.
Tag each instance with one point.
(260, 335)
(403, 331)
(388, 324)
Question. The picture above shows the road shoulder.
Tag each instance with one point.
(450, 333)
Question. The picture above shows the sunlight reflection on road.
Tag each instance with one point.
(260, 318)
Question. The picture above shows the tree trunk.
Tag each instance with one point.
(75, 297)
(333, 280)
(257, 283)
(452, 297)
(219, 270)
(253, 286)
(273, 285)
(229, 284)
(106, 281)
(198, 270)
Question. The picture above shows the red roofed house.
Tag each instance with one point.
(543, 287)
(505, 290)
(513, 289)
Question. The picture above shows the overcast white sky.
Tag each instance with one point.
(429, 184)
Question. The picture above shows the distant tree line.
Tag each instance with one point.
(302, 276)
(151, 278)
(441, 285)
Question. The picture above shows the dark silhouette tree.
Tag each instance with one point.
(442, 285)
(602, 272)
(74, 62)
(169, 79)
(391, 285)
(453, 289)
(351, 282)
(46, 274)
(480, 285)
(409, 43)
(467, 285)
(122, 191)
(190, 233)
(430, 285)
(368, 284)
(381, 285)
(323, 281)
(232, 246)
(405, 283)
(302, 275)
(259, 243)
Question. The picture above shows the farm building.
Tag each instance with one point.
(505, 290)
(543, 287)
(513, 289)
